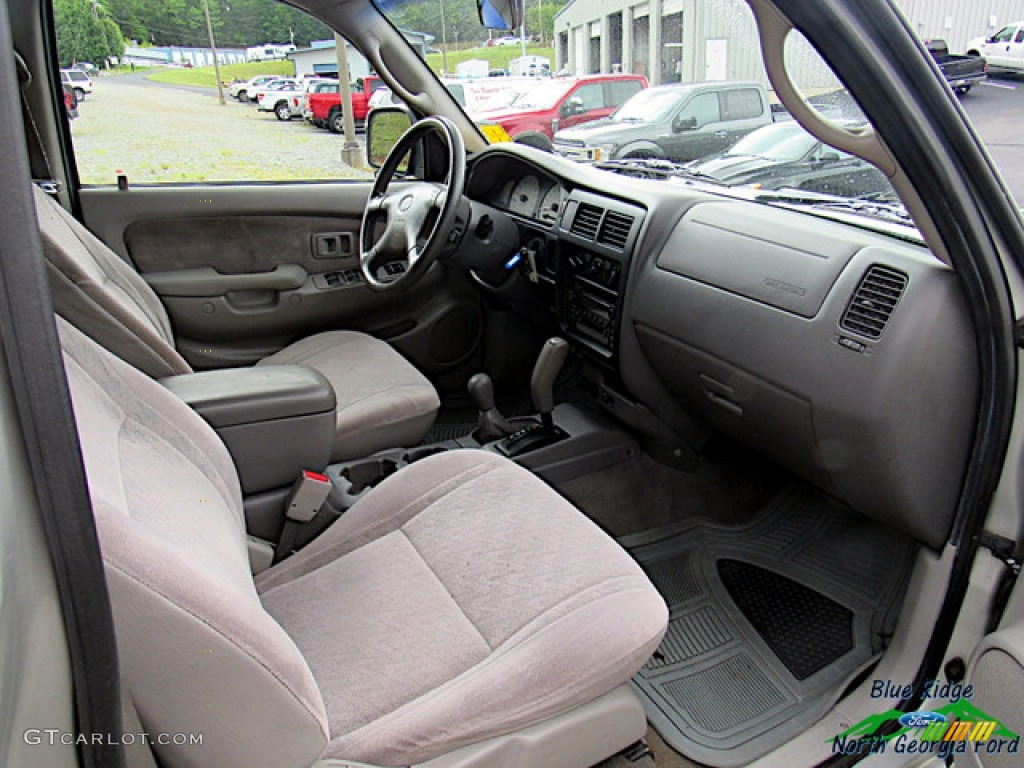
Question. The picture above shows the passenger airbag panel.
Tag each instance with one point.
(754, 252)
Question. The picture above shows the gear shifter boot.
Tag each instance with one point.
(492, 425)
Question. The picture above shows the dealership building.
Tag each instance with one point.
(694, 40)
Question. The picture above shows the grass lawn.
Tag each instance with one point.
(496, 57)
(205, 76)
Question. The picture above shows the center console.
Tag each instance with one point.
(597, 237)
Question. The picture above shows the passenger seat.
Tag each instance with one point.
(461, 612)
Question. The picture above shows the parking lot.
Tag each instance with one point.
(160, 133)
(996, 109)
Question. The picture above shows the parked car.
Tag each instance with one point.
(277, 84)
(509, 40)
(240, 89)
(784, 155)
(962, 72)
(78, 80)
(70, 101)
(285, 102)
(552, 105)
(1004, 51)
(322, 107)
(680, 122)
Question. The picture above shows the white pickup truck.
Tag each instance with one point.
(1004, 50)
(284, 101)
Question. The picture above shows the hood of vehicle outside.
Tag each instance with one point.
(608, 131)
(732, 168)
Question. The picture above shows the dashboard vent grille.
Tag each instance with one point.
(615, 229)
(874, 301)
(586, 221)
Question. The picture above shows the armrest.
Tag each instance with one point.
(206, 281)
(243, 395)
(275, 420)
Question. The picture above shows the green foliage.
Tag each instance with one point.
(462, 22)
(236, 24)
(85, 32)
(206, 76)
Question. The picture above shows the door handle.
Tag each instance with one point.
(721, 134)
(332, 245)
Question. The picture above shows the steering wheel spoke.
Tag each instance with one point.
(417, 214)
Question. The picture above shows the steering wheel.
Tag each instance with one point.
(410, 243)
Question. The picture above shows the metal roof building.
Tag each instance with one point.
(694, 40)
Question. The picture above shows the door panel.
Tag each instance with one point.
(244, 270)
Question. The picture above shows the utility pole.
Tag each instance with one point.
(350, 149)
(444, 43)
(213, 50)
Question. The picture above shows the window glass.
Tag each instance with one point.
(621, 90)
(742, 104)
(704, 108)
(1004, 35)
(154, 112)
(1020, 36)
(591, 94)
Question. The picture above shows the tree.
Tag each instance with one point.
(85, 32)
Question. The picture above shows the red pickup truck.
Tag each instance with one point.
(322, 106)
(558, 103)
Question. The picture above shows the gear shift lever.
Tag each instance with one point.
(493, 425)
(545, 371)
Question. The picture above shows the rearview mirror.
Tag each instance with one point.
(501, 14)
(384, 127)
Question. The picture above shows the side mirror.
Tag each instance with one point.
(501, 14)
(384, 127)
(573, 106)
(683, 124)
(828, 157)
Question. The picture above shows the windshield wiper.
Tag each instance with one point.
(654, 168)
(876, 209)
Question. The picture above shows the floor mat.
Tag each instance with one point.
(768, 622)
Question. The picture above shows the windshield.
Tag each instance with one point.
(784, 142)
(543, 96)
(652, 105)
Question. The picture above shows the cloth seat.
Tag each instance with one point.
(383, 401)
(459, 600)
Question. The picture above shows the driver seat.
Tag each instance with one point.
(383, 401)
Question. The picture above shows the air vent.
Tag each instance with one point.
(586, 221)
(615, 229)
(873, 302)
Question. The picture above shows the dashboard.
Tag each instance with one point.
(839, 352)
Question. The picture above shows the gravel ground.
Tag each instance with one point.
(159, 133)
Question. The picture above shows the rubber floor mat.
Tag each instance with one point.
(768, 622)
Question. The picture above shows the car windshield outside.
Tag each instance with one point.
(784, 142)
(543, 96)
(648, 105)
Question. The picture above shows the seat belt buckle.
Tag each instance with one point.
(307, 496)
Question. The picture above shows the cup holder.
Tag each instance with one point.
(421, 453)
(368, 474)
